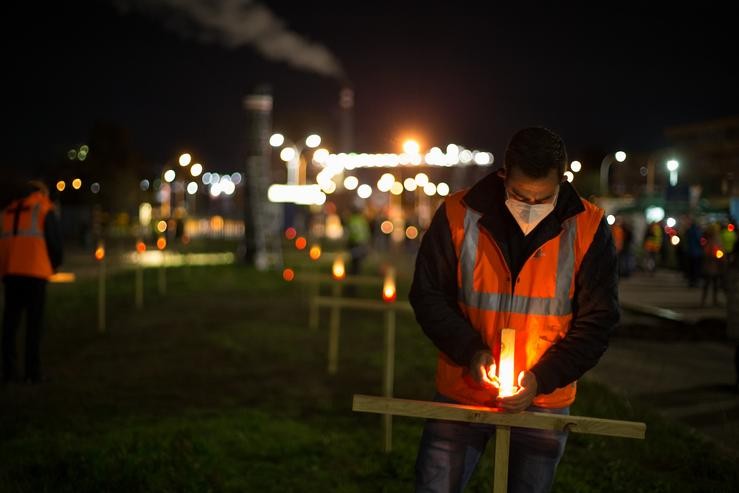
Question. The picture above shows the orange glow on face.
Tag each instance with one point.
(389, 293)
(301, 243)
(161, 243)
(338, 270)
(290, 233)
(100, 253)
(315, 252)
(505, 369)
(140, 246)
(288, 274)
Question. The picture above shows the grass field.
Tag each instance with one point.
(221, 387)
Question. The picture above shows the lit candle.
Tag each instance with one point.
(338, 268)
(388, 287)
(100, 251)
(505, 368)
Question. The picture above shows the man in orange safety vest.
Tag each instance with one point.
(30, 252)
(519, 250)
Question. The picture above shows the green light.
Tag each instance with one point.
(72, 154)
(84, 148)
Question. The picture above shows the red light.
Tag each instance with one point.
(290, 233)
(301, 243)
(99, 253)
(140, 246)
(161, 243)
(730, 227)
(288, 274)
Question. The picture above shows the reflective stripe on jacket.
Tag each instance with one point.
(23, 249)
(538, 304)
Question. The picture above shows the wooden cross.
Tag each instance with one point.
(502, 421)
(388, 374)
(17, 215)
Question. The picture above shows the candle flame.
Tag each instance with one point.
(505, 369)
(338, 270)
(140, 246)
(100, 252)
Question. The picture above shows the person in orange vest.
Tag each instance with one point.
(30, 252)
(518, 250)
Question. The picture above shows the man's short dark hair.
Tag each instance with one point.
(536, 151)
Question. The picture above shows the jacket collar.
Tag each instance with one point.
(487, 196)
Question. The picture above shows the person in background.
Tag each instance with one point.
(693, 252)
(358, 243)
(652, 246)
(714, 263)
(732, 303)
(728, 237)
(30, 252)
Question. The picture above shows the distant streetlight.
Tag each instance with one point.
(672, 167)
(177, 184)
(575, 166)
(605, 165)
(313, 141)
(411, 146)
(291, 155)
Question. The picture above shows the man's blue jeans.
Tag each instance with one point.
(450, 450)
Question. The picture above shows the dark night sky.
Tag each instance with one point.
(471, 76)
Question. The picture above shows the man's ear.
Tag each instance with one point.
(501, 173)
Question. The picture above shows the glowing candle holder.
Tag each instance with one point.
(505, 368)
(389, 293)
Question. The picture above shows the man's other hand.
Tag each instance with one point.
(482, 369)
(527, 388)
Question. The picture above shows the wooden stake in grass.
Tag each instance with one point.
(503, 422)
(161, 245)
(389, 306)
(139, 282)
(100, 257)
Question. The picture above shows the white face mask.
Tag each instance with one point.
(528, 216)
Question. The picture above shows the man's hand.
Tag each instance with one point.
(527, 388)
(482, 369)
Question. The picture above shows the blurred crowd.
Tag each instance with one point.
(701, 249)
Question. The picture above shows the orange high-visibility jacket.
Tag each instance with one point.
(22, 245)
(538, 304)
